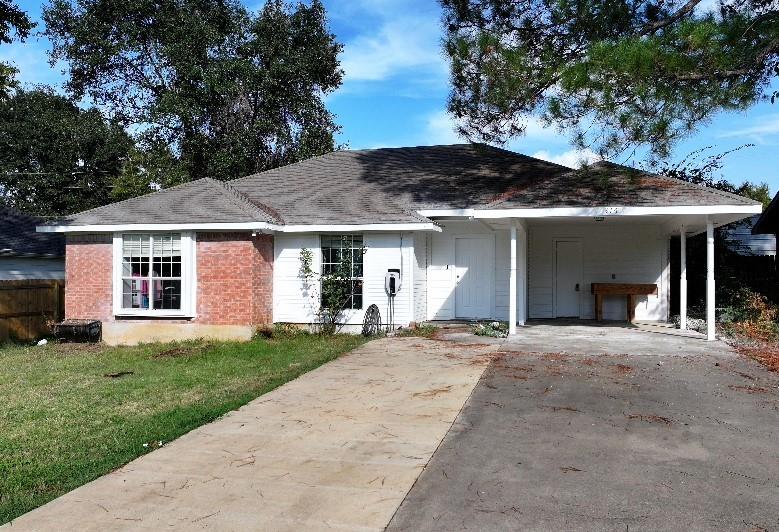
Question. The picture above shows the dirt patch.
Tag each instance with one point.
(556, 357)
(749, 389)
(589, 362)
(570, 469)
(177, 352)
(119, 374)
(623, 369)
(650, 418)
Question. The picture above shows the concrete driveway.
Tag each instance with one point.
(664, 432)
(338, 448)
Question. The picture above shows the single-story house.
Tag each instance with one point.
(768, 222)
(26, 254)
(474, 231)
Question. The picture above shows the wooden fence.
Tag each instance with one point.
(28, 307)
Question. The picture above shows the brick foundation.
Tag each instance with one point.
(234, 280)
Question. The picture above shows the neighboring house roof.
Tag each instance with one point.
(768, 223)
(389, 185)
(19, 239)
(740, 238)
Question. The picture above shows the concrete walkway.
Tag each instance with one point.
(337, 448)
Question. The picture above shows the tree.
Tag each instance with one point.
(13, 21)
(229, 93)
(56, 158)
(615, 73)
(699, 168)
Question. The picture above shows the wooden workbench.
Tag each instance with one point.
(629, 290)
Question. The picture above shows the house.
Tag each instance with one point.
(740, 238)
(768, 222)
(26, 254)
(474, 231)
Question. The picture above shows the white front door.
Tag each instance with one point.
(474, 261)
(568, 278)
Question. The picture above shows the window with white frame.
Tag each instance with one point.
(153, 273)
(345, 251)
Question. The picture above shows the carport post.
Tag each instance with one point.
(710, 329)
(513, 281)
(683, 278)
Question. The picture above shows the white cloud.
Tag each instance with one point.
(399, 44)
(757, 132)
(440, 129)
(570, 158)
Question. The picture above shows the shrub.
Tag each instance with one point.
(494, 329)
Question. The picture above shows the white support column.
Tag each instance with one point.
(683, 278)
(522, 238)
(710, 298)
(513, 281)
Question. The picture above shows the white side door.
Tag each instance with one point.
(474, 261)
(568, 278)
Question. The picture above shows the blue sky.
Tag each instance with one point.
(396, 84)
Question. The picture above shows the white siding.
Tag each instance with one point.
(611, 253)
(420, 276)
(12, 268)
(441, 269)
(293, 303)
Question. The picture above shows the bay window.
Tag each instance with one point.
(153, 274)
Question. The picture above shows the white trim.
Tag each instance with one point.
(346, 228)
(250, 226)
(147, 228)
(593, 211)
(710, 283)
(513, 279)
(188, 281)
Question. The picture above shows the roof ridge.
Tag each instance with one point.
(244, 202)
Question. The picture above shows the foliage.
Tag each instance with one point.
(700, 169)
(13, 21)
(56, 158)
(494, 329)
(424, 330)
(616, 74)
(228, 92)
(64, 423)
(330, 292)
(752, 316)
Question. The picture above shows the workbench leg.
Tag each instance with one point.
(631, 302)
(598, 307)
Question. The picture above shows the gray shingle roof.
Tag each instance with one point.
(608, 184)
(202, 201)
(19, 239)
(389, 185)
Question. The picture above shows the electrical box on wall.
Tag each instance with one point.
(392, 281)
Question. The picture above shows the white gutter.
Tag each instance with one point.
(593, 211)
(247, 226)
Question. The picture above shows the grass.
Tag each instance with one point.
(423, 330)
(64, 422)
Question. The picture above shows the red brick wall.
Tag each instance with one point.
(234, 278)
(88, 265)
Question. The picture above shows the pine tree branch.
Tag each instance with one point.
(685, 10)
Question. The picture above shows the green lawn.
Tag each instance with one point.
(64, 422)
